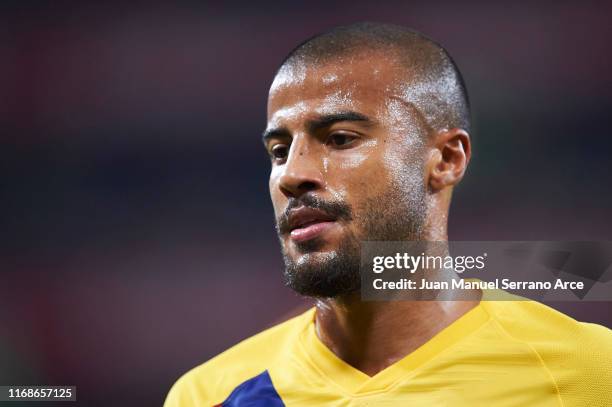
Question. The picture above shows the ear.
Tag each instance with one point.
(448, 158)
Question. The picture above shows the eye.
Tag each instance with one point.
(341, 139)
(279, 152)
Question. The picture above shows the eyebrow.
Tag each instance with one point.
(319, 123)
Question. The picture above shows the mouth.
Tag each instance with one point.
(307, 224)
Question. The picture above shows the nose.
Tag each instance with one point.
(301, 172)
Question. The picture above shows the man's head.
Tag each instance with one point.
(367, 133)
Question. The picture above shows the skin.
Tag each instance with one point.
(356, 161)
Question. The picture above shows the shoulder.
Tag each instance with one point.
(534, 322)
(212, 381)
(577, 355)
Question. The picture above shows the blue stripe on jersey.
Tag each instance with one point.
(258, 391)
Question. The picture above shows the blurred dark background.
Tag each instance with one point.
(136, 231)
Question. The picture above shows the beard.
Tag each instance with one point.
(393, 216)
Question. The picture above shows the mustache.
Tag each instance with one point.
(336, 209)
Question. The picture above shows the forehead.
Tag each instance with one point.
(360, 82)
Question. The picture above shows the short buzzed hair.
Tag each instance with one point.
(434, 84)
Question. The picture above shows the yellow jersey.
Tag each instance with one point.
(500, 353)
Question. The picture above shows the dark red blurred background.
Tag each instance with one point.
(136, 231)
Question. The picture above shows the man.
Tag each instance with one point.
(368, 132)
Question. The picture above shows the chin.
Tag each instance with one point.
(314, 259)
(323, 273)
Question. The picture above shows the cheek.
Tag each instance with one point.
(360, 175)
(367, 155)
(390, 170)
(276, 196)
(273, 180)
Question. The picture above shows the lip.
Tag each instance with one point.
(307, 223)
(311, 231)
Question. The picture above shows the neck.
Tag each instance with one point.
(372, 335)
